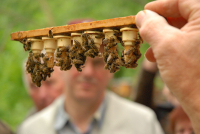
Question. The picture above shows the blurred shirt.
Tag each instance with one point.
(63, 125)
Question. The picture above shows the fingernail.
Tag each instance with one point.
(139, 18)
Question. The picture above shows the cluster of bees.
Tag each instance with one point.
(36, 64)
(66, 56)
(111, 57)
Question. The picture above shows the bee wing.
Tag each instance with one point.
(105, 41)
(77, 43)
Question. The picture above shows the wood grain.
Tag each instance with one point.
(80, 27)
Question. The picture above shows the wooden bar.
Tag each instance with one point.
(80, 27)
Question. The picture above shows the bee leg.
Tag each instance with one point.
(44, 77)
(78, 67)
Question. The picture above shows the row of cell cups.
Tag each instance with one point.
(129, 35)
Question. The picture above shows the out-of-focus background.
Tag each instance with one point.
(22, 15)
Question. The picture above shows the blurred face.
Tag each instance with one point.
(90, 84)
(183, 127)
(49, 90)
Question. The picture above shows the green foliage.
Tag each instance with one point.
(22, 15)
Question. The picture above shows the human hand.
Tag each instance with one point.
(149, 66)
(175, 48)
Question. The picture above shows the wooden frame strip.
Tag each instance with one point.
(67, 29)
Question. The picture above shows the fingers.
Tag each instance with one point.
(175, 8)
(149, 55)
(152, 27)
(177, 22)
(166, 8)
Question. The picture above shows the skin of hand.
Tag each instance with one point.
(175, 47)
(149, 66)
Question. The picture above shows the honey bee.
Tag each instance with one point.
(38, 78)
(78, 67)
(100, 35)
(117, 33)
(120, 40)
(67, 61)
(65, 49)
(26, 44)
(66, 66)
(76, 61)
(114, 67)
(85, 41)
(77, 55)
(129, 51)
(58, 54)
(133, 54)
(122, 59)
(92, 50)
(60, 62)
(105, 56)
(43, 68)
(109, 42)
(63, 60)
(105, 41)
(90, 53)
(39, 55)
(140, 38)
(131, 63)
(113, 62)
(50, 33)
(44, 77)
(45, 59)
(110, 55)
(111, 58)
(30, 63)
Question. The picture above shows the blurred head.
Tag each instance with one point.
(90, 84)
(49, 90)
(179, 122)
(170, 97)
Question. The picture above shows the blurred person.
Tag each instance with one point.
(145, 96)
(122, 87)
(172, 29)
(4, 129)
(87, 108)
(145, 84)
(50, 89)
(179, 122)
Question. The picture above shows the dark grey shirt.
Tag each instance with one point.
(64, 125)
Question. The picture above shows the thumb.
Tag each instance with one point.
(153, 28)
(149, 55)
